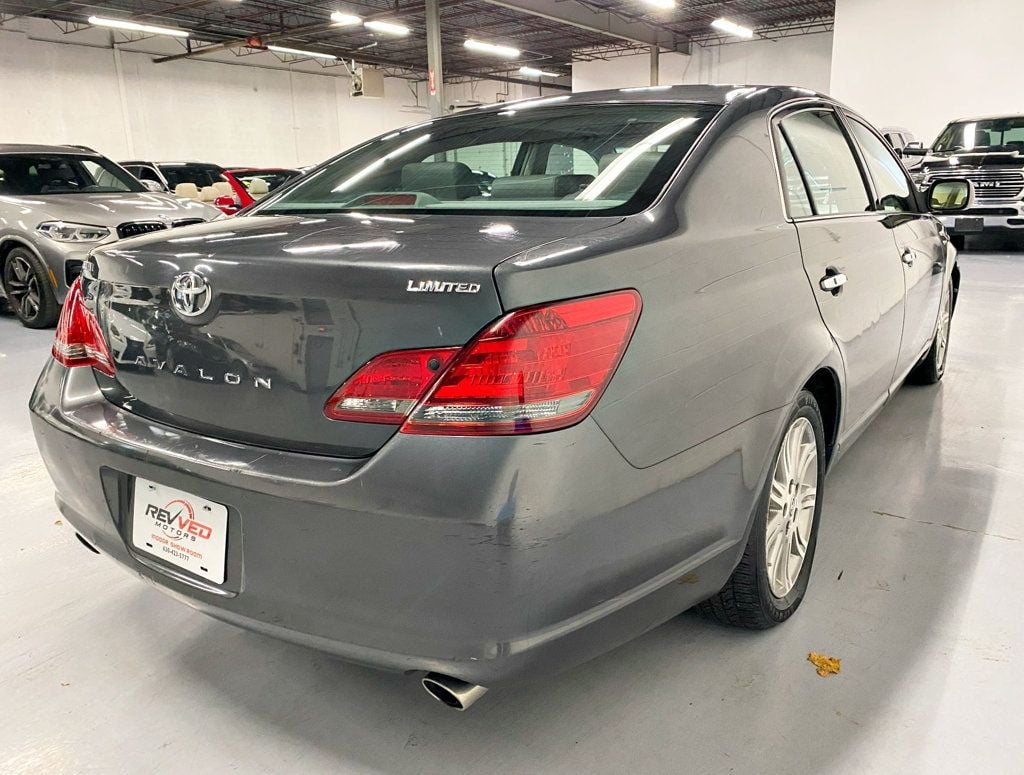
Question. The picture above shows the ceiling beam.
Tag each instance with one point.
(603, 22)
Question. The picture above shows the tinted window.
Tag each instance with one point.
(42, 174)
(471, 162)
(796, 191)
(986, 135)
(891, 184)
(200, 174)
(830, 169)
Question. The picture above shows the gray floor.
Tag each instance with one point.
(917, 587)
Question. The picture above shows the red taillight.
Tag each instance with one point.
(535, 369)
(386, 388)
(79, 341)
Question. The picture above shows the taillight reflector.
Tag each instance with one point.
(535, 369)
(79, 341)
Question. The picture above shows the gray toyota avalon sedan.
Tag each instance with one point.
(490, 395)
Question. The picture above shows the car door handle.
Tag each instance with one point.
(833, 281)
(907, 257)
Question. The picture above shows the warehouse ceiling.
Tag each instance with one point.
(550, 34)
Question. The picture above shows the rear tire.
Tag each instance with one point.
(29, 290)
(771, 579)
(933, 366)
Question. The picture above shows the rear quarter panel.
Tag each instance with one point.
(729, 328)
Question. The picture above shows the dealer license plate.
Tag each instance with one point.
(181, 529)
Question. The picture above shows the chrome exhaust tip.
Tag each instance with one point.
(451, 691)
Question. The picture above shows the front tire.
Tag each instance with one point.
(28, 289)
(771, 579)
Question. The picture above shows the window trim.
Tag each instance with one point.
(850, 117)
(775, 119)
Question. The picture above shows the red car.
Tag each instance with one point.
(253, 183)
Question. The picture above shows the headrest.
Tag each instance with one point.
(631, 176)
(258, 187)
(538, 186)
(224, 188)
(186, 190)
(208, 194)
(441, 179)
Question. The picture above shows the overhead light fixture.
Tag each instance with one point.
(149, 29)
(732, 28)
(663, 4)
(508, 52)
(533, 72)
(391, 28)
(345, 19)
(300, 53)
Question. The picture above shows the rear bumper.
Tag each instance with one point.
(481, 558)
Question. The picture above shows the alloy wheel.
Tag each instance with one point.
(791, 507)
(23, 287)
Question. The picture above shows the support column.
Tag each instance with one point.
(655, 51)
(435, 71)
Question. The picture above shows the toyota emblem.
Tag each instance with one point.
(190, 294)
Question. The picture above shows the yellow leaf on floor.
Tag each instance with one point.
(826, 665)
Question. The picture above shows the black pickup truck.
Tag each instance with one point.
(989, 151)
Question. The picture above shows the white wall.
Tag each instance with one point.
(922, 63)
(798, 61)
(57, 88)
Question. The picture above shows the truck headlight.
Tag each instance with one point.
(62, 231)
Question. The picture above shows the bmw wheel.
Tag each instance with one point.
(29, 291)
(771, 579)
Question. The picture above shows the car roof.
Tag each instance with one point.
(143, 161)
(8, 148)
(712, 94)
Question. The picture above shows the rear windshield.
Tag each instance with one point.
(42, 174)
(200, 174)
(1001, 134)
(535, 157)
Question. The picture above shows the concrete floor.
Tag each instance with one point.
(917, 587)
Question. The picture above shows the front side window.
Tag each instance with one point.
(537, 157)
(42, 174)
(891, 184)
(996, 134)
(826, 159)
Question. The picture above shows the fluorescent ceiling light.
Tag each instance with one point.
(118, 24)
(732, 28)
(345, 19)
(535, 73)
(661, 3)
(508, 52)
(391, 28)
(300, 53)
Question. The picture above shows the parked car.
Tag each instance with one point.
(487, 437)
(201, 181)
(253, 183)
(988, 151)
(901, 139)
(56, 204)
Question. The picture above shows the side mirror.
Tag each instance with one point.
(152, 185)
(950, 196)
(914, 148)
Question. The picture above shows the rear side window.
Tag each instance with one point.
(891, 183)
(826, 159)
(796, 191)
